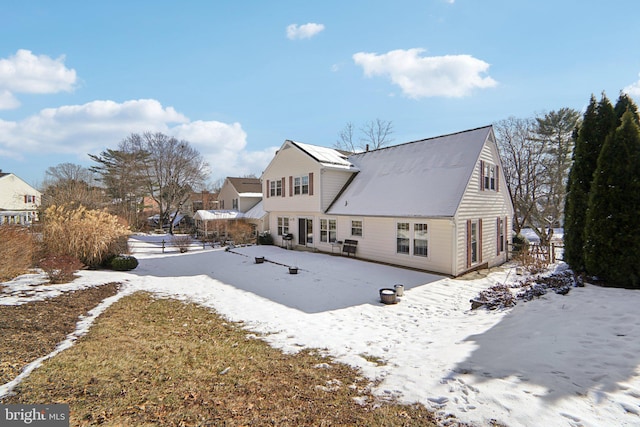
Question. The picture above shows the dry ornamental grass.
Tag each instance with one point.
(149, 361)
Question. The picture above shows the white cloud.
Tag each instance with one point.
(633, 89)
(306, 31)
(95, 126)
(7, 100)
(25, 72)
(428, 76)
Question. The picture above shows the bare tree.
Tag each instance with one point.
(345, 139)
(377, 134)
(72, 185)
(173, 169)
(69, 172)
(374, 134)
(522, 165)
(536, 159)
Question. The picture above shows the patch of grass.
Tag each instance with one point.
(378, 361)
(32, 330)
(149, 361)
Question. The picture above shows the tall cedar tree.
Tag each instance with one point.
(624, 104)
(612, 247)
(598, 121)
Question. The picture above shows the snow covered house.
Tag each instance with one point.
(238, 199)
(437, 204)
(19, 202)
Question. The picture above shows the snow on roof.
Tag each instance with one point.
(256, 212)
(417, 179)
(206, 215)
(328, 157)
(250, 194)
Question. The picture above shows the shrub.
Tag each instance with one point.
(265, 239)
(497, 296)
(520, 243)
(60, 268)
(18, 248)
(241, 232)
(88, 235)
(124, 263)
(182, 242)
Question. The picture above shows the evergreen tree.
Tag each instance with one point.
(598, 121)
(578, 189)
(612, 247)
(554, 130)
(624, 104)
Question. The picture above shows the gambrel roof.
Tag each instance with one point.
(425, 178)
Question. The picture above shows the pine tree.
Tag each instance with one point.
(598, 121)
(612, 247)
(624, 104)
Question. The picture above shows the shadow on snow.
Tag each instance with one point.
(323, 283)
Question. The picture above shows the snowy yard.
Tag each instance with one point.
(559, 360)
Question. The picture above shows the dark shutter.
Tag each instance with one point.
(468, 243)
(311, 183)
(268, 189)
(480, 240)
(498, 231)
(283, 193)
(290, 186)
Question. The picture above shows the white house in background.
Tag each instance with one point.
(438, 204)
(238, 199)
(19, 201)
(239, 194)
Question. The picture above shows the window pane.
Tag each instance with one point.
(356, 228)
(296, 185)
(420, 247)
(474, 242)
(402, 239)
(332, 230)
(402, 245)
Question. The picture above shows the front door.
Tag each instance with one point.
(305, 231)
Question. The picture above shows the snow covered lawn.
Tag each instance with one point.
(558, 360)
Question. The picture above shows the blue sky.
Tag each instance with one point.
(237, 78)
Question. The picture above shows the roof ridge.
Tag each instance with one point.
(424, 139)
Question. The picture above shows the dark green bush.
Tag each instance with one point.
(519, 243)
(265, 239)
(124, 263)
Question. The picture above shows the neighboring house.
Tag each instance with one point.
(438, 204)
(239, 194)
(19, 202)
(200, 200)
(238, 199)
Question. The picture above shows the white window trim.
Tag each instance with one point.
(361, 228)
(412, 239)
